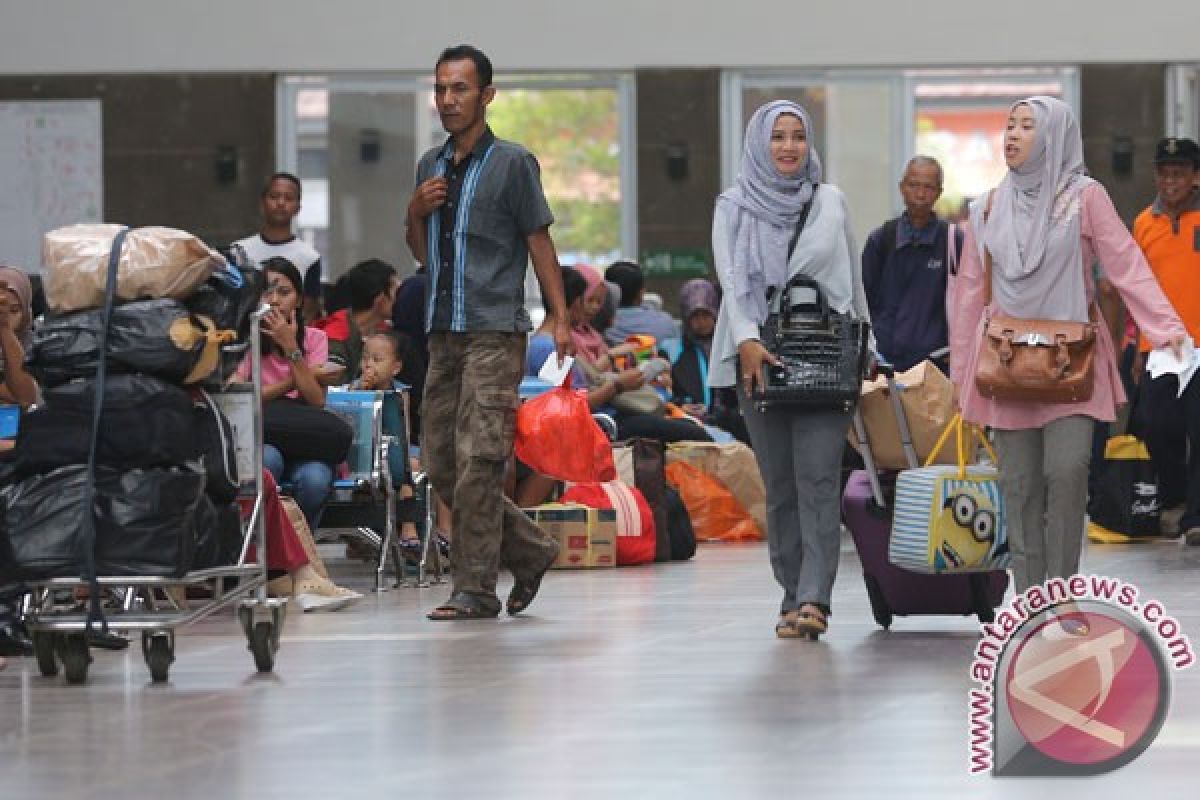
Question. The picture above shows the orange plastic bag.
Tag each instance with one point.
(716, 514)
(557, 436)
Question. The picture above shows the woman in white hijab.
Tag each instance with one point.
(798, 451)
(1047, 223)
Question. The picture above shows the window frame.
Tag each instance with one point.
(287, 133)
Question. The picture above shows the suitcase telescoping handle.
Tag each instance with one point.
(860, 431)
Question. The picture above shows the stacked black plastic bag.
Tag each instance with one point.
(165, 471)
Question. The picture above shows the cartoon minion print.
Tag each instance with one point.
(963, 532)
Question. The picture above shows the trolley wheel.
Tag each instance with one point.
(879, 606)
(979, 599)
(158, 648)
(263, 645)
(73, 650)
(43, 651)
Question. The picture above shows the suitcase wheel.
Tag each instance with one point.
(979, 600)
(879, 606)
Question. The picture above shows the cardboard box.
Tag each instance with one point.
(588, 536)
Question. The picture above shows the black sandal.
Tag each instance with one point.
(523, 591)
(462, 605)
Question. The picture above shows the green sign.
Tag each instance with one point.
(675, 263)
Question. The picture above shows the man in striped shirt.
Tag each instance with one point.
(477, 217)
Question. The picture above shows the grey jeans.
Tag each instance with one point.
(1044, 477)
(800, 454)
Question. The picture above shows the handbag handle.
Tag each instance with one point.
(802, 282)
(956, 426)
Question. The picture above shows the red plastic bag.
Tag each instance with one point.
(637, 538)
(557, 436)
(716, 514)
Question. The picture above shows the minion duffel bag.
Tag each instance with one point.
(950, 518)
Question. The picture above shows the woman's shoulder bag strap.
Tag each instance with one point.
(801, 222)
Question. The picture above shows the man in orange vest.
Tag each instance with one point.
(1169, 234)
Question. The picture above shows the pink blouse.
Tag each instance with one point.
(1105, 239)
(276, 369)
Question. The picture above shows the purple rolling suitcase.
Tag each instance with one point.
(866, 509)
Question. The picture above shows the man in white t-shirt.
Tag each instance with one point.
(280, 205)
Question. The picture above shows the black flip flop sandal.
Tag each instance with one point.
(463, 606)
(523, 591)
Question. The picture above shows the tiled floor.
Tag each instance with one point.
(656, 682)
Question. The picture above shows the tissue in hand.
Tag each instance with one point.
(1162, 361)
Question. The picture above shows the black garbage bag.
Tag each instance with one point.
(216, 448)
(145, 523)
(228, 298)
(157, 337)
(146, 423)
(218, 534)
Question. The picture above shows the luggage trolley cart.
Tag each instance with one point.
(59, 637)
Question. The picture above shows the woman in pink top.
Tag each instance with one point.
(1046, 222)
(293, 355)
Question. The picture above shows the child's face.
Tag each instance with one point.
(701, 324)
(379, 363)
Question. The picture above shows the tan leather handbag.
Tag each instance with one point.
(1034, 360)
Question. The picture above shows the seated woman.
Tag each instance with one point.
(699, 305)
(17, 388)
(293, 357)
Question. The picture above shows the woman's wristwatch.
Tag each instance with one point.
(295, 356)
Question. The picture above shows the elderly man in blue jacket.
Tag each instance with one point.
(905, 265)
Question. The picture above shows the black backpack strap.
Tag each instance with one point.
(889, 239)
(87, 543)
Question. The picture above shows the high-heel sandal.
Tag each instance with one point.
(786, 628)
(810, 622)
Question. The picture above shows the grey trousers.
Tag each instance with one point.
(800, 455)
(1044, 477)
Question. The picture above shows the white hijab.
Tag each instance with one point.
(1034, 229)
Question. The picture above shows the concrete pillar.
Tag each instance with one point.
(372, 161)
(1123, 104)
(678, 112)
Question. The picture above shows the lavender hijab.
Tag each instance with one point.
(765, 206)
(1034, 229)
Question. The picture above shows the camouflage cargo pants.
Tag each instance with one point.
(469, 419)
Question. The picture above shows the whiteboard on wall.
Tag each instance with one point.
(51, 173)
